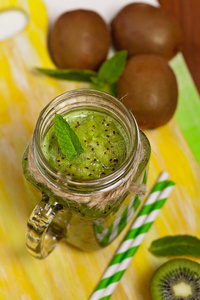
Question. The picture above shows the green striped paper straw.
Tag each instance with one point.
(134, 238)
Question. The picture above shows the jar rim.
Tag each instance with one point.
(64, 182)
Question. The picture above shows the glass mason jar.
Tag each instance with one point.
(56, 217)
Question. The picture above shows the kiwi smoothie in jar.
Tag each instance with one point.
(87, 200)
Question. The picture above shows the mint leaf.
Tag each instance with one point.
(69, 74)
(100, 85)
(104, 80)
(104, 87)
(113, 89)
(112, 68)
(176, 246)
(67, 138)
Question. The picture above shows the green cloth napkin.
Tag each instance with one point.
(188, 111)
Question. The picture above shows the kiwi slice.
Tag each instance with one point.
(178, 279)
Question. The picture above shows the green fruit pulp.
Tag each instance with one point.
(177, 279)
(102, 138)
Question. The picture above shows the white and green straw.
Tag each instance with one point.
(134, 238)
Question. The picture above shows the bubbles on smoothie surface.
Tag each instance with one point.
(103, 140)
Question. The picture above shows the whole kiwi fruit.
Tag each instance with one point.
(142, 28)
(176, 279)
(148, 87)
(79, 39)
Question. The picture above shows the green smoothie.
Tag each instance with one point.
(109, 139)
(104, 142)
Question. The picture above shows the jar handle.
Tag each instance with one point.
(42, 233)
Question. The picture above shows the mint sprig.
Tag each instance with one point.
(104, 80)
(112, 68)
(69, 74)
(176, 246)
(67, 138)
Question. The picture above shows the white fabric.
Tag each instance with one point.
(106, 8)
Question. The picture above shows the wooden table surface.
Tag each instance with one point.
(187, 13)
(70, 274)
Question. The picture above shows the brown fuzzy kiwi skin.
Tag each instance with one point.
(79, 39)
(148, 88)
(142, 28)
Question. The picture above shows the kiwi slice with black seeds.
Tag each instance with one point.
(178, 279)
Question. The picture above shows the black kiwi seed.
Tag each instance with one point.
(178, 279)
